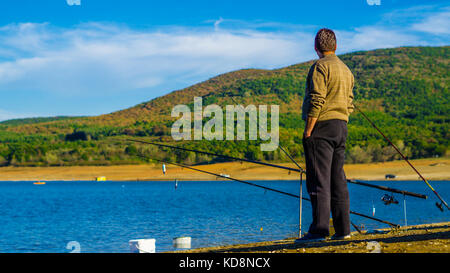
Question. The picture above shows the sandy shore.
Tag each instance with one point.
(428, 238)
(432, 169)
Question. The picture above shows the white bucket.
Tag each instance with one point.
(182, 242)
(142, 246)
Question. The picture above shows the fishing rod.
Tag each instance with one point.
(439, 205)
(217, 155)
(263, 187)
(276, 166)
(418, 195)
(364, 184)
(295, 162)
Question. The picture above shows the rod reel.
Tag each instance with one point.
(443, 203)
(440, 206)
(388, 199)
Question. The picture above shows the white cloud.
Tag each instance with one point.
(437, 24)
(101, 60)
(6, 115)
(217, 23)
(108, 58)
(366, 38)
(431, 19)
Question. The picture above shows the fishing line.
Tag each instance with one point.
(380, 187)
(276, 166)
(406, 159)
(259, 186)
(291, 158)
(301, 189)
(222, 176)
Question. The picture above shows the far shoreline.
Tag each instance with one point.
(432, 169)
(170, 180)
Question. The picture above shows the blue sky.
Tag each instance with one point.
(90, 57)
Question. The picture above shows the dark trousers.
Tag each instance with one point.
(325, 178)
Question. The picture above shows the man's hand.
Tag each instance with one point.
(310, 123)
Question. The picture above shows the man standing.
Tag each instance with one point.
(326, 107)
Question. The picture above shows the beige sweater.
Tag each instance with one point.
(329, 90)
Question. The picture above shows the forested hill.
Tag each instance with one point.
(404, 91)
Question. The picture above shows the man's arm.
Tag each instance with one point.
(310, 123)
(350, 106)
(318, 94)
(318, 90)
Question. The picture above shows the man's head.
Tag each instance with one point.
(325, 42)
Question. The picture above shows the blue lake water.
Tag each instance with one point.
(104, 216)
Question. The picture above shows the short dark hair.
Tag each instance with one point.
(325, 40)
